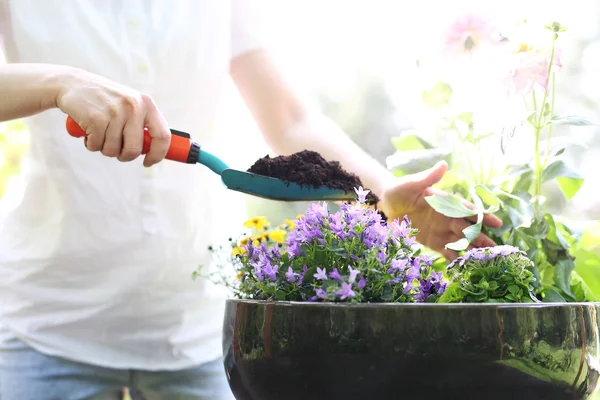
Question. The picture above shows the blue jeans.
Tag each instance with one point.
(26, 374)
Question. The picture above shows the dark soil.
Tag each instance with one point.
(309, 168)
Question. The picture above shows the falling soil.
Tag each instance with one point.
(309, 168)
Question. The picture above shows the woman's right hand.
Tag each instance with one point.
(114, 117)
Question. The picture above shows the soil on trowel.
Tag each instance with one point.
(309, 168)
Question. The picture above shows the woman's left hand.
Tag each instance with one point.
(406, 196)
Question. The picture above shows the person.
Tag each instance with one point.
(97, 248)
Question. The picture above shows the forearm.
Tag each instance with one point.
(288, 126)
(27, 89)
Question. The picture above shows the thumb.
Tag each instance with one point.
(433, 175)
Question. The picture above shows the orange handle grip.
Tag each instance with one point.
(182, 148)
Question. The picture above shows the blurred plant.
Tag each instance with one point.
(481, 170)
(14, 142)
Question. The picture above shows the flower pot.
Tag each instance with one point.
(312, 351)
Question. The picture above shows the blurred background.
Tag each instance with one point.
(361, 62)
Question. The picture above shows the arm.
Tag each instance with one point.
(288, 126)
(112, 115)
(27, 89)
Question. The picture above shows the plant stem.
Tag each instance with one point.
(462, 141)
(547, 155)
(538, 131)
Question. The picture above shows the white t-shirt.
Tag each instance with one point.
(96, 255)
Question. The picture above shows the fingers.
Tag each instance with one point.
(113, 138)
(133, 133)
(96, 130)
(160, 133)
(439, 245)
(114, 118)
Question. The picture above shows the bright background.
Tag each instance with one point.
(357, 60)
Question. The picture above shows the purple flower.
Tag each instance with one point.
(321, 294)
(381, 256)
(505, 250)
(410, 241)
(362, 282)
(353, 274)
(271, 271)
(336, 225)
(335, 275)
(346, 291)
(413, 273)
(400, 230)
(321, 274)
(375, 235)
(258, 272)
(362, 194)
(316, 213)
(426, 259)
(352, 215)
(275, 252)
(290, 275)
(397, 265)
(294, 250)
(301, 275)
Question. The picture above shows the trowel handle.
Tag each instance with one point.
(182, 149)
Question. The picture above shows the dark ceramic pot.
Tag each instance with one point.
(314, 351)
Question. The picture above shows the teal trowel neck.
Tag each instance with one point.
(212, 162)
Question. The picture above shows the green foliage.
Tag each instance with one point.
(564, 270)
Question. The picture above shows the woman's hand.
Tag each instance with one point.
(114, 117)
(406, 196)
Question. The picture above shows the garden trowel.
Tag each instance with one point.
(183, 149)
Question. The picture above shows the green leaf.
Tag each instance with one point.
(569, 186)
(488, 198)
(453, 294)
(413, 161)
(459, 245)
(559, 169)
(562, 276)
(450, 206)
(552, 296)
(472, 232)
(410, 140)
(573, 120)
(554, 233)
(388, 293)
(587, 266)
(438, 96)
(578, 291)
(569, 180)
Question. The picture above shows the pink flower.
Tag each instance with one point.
(470, 32)
(529, 70)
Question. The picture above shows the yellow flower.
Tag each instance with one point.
(290, 223)
(244, 241)
(258, 223)
(238, 250)
(240, 275)
(278, 235)
(299, 216)
(260, 236)
(255, 243)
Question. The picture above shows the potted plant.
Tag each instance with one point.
(346, 305)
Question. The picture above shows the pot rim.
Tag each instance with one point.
(410, 305)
